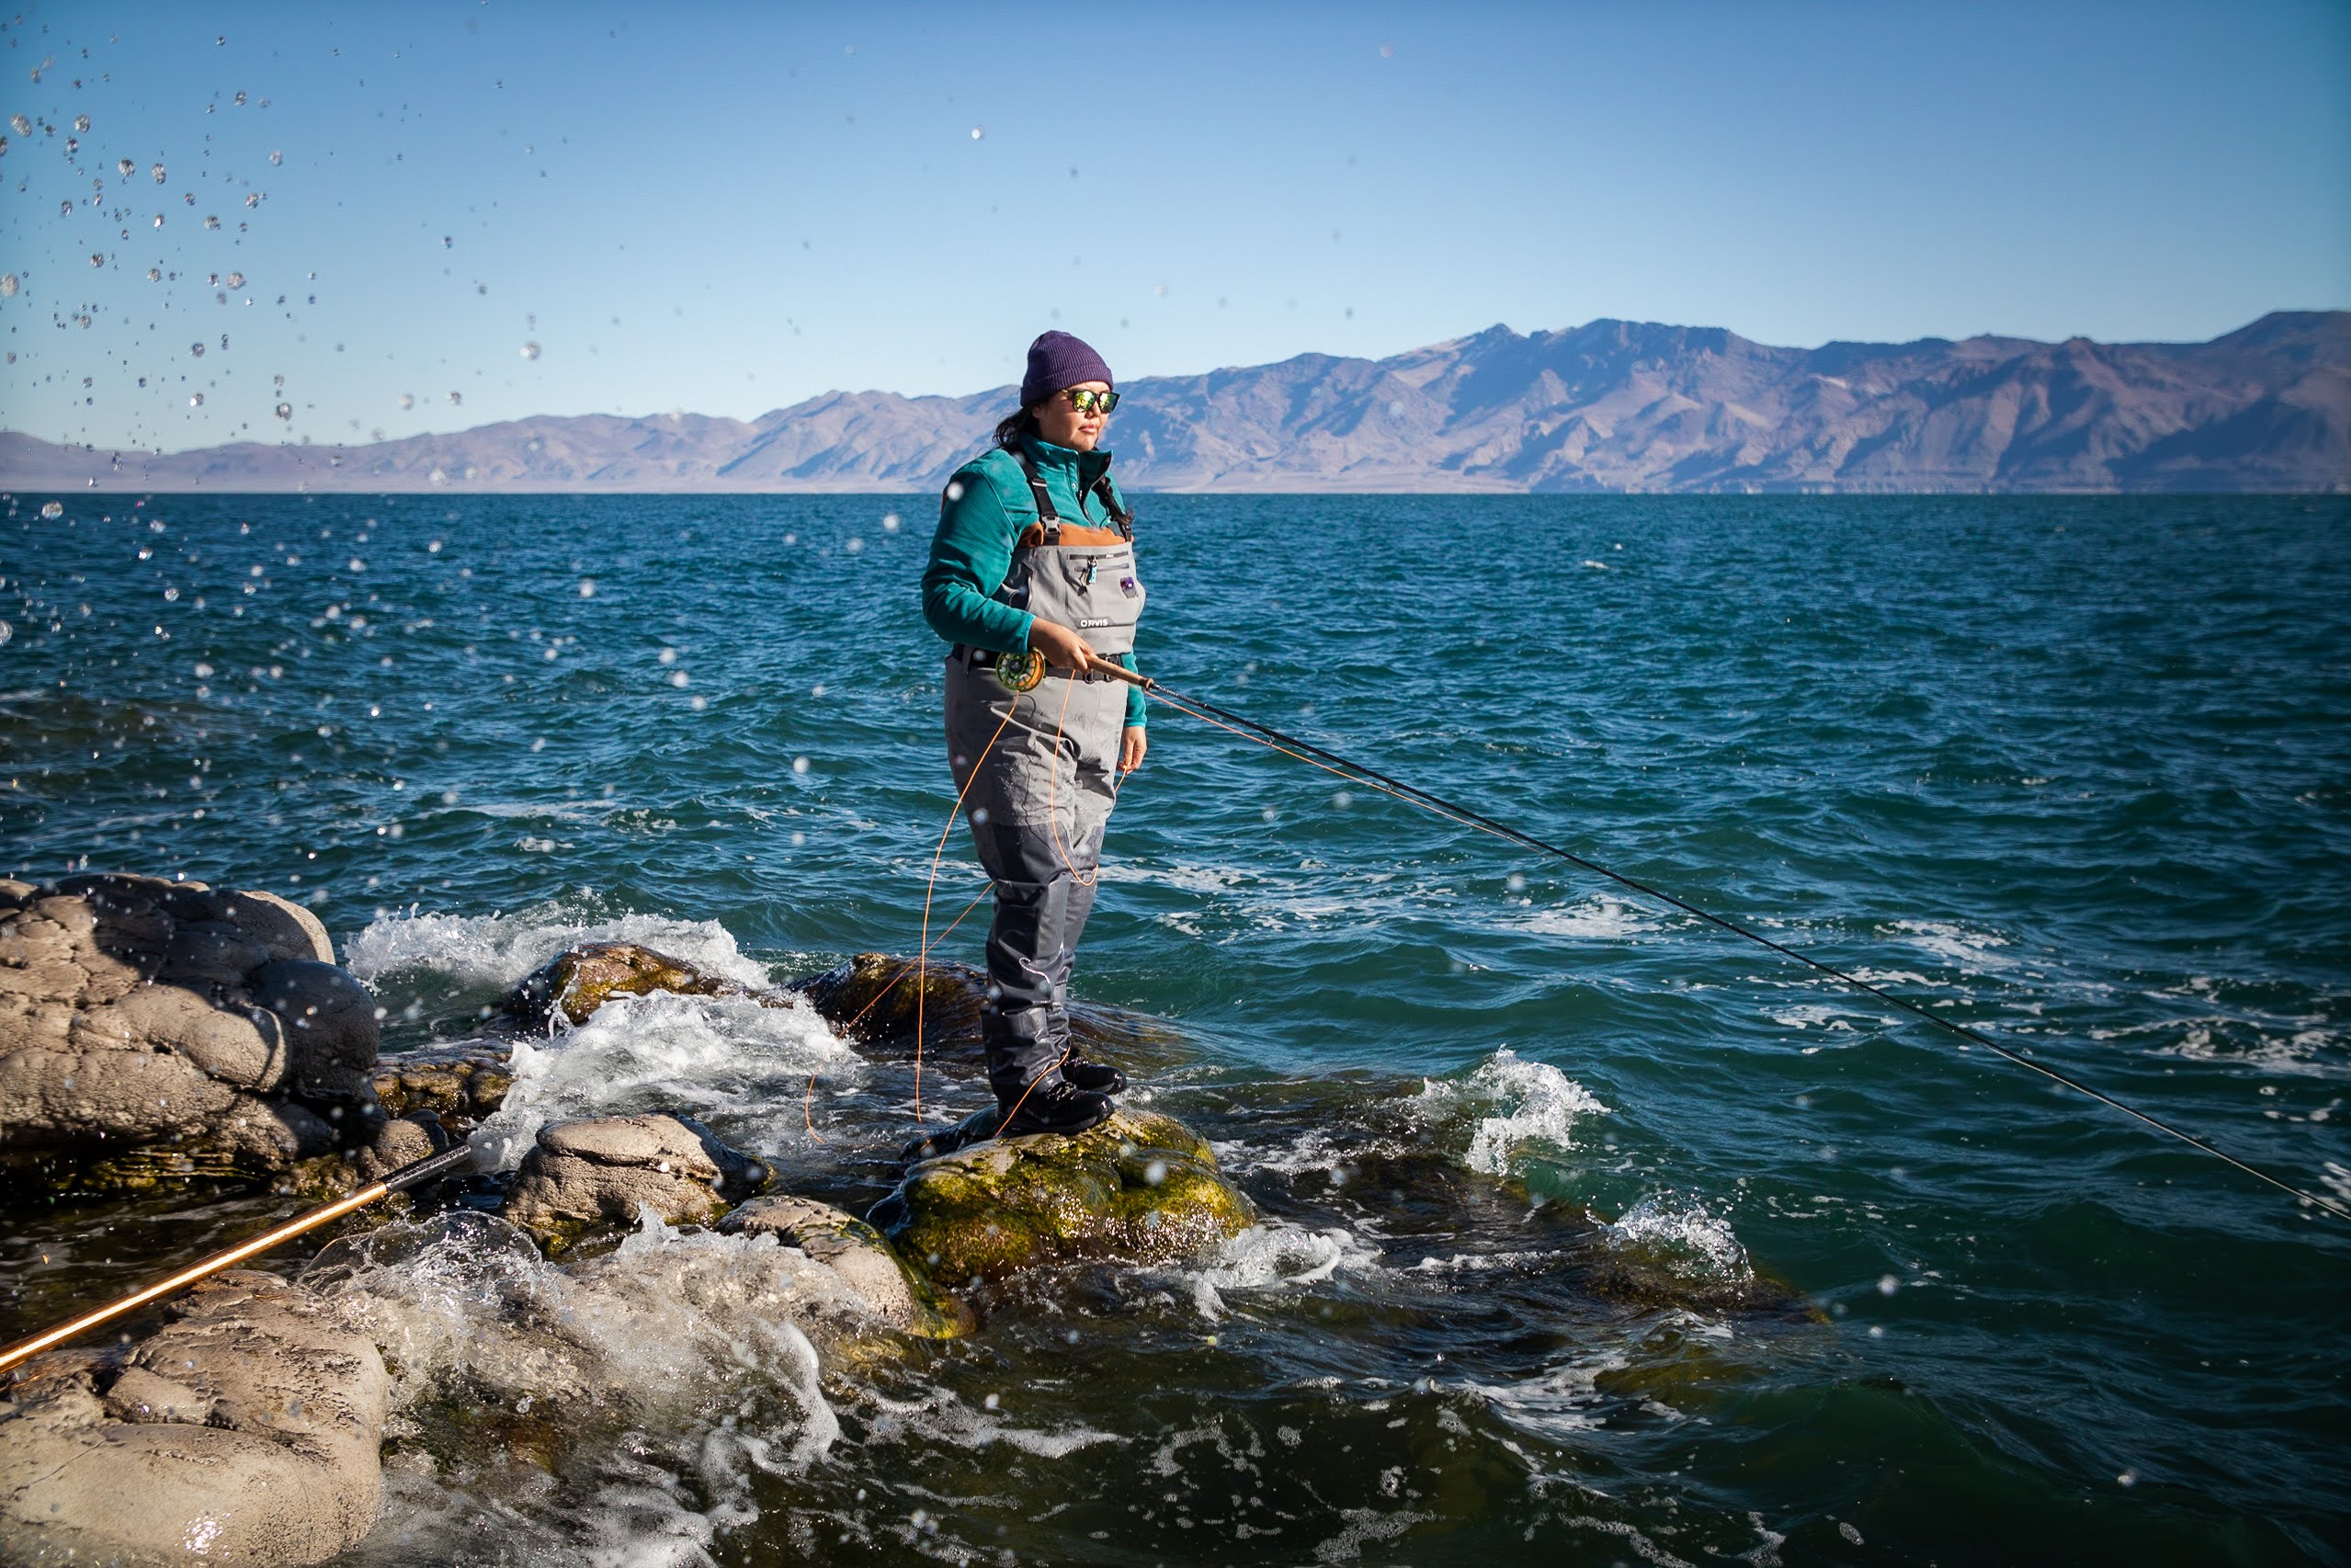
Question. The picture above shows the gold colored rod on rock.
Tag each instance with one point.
(407, 1176)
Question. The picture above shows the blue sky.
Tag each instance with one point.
(726, 209)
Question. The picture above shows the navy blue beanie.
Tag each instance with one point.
(1057, 360)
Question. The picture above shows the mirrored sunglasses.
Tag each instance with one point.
(1086, 400)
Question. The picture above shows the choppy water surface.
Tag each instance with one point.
(2075, 770)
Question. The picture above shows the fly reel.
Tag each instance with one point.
(1021, 672)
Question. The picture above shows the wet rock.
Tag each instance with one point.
(584, 1174)
(167, 1029)
(246, 1430)
(1140, 1188)
(873, 998)
(460, 1084)
(575, 983)
(860, 1255)
(401, 1140)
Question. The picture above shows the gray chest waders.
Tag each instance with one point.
(1040, 800)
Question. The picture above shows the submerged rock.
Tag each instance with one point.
(246, 1430)
(583, 1174)
(860, 1255)
(1140, 1188)
(167, 1029)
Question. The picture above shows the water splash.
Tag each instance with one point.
(1527, 1105)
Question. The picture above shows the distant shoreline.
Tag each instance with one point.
(1611, 407)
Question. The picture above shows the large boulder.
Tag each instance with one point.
(206, 1027)
(860, 1255)
(246, 1430)
(583, 1176)
(1140, 1187)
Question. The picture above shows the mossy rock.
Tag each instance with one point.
(462, 1084)
(575, 983)
(1139, 1188)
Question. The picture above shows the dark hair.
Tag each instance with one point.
(1014, 425)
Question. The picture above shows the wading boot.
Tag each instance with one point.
(1057, 1105)
(1098, 1076)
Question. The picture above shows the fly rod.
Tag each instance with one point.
(1356, 772)
(414, 1173)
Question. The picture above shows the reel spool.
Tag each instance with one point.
(1021, 672)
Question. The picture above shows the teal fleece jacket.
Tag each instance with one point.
(977, 528)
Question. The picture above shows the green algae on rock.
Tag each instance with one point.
(576, 982)
(1141, 1189)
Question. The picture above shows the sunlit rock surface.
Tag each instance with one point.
(582, 1174)
(245, 1430)
(860, 1255)
(575, 983)
(460, 1084)
(173, 1029)
(1140, 1188)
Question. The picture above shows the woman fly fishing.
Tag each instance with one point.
(1032, 579)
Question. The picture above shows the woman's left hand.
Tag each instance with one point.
(1131, 745)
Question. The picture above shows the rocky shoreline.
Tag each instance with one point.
(168, 1034)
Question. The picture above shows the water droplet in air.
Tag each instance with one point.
(159, 220)
(977, 131)
(197, 349)
(211, 221)
(277, 157)
(587, 587)
(8, 286)
(97, 258)
(407, 400)
(81, 122)
(236, 279)
(22, 126)
(155, 274)
(52, 510)
(125, 165)
(448, 243)
(530, 351)
(1887, 1284)
(157, 170)
(196, 400)
(456, 398)
(890, 523)
(285, 411)
(800, 764)
(241, 100)
(1514, 882)
(1387, 52)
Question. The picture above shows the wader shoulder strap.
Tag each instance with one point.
(1049, 522)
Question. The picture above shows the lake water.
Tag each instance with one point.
(2075, 772)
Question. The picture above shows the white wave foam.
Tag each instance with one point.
(676, 1366)
(1595, 919)
(1276, 1257)
(1680, 1235)
(499, 949)
(1557, 1403)
(694, 1055)
(939, 1416)
(1528, 1105)
(1957, 945)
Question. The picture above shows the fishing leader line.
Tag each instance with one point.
(1356, 772)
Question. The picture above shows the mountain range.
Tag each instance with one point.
(1611, 405)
